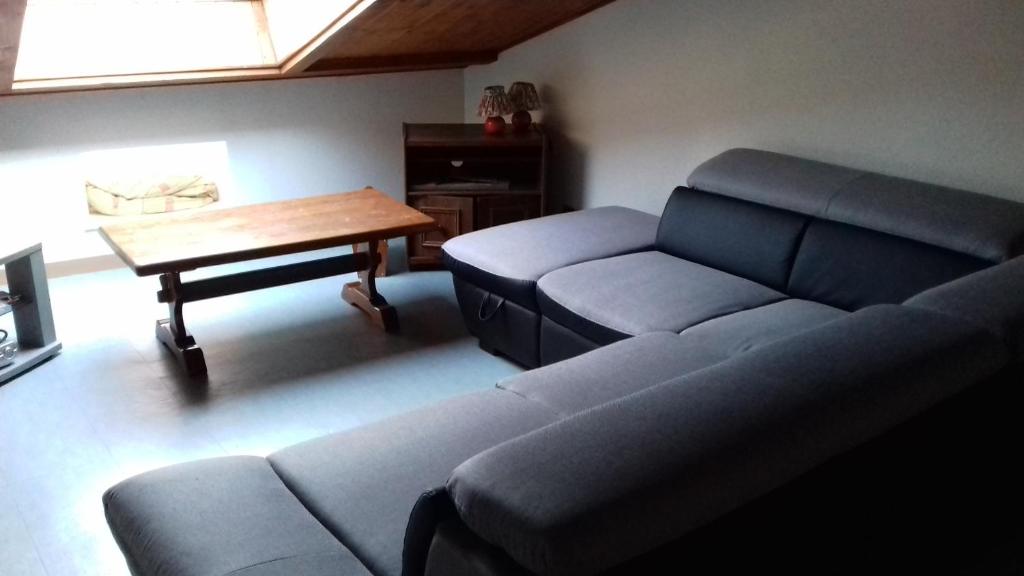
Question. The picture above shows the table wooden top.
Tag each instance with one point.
(185, 241)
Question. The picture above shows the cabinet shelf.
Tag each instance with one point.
(474, 192)
(439, 153)
(450, 158)
(440, 136)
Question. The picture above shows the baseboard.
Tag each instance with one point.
(76, 266)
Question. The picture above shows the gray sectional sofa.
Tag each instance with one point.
(756, 240)
(796, 364)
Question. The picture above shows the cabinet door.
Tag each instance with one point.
(454, 215)
(495, 210)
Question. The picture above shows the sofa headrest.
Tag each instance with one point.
(992, 298)
(983, 226)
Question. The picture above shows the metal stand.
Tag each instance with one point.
(33, 318)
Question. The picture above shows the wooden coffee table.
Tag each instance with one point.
(181, 242)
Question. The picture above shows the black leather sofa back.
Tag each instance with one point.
(832, 234)
(838, 264)
(743, 238)
(975, 224)
(850, 267)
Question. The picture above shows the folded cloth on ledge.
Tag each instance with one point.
(155, 195)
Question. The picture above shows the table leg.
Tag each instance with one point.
(172, 333)
(382, 251)
(363, 294)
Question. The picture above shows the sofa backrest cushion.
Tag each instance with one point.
(750, 240)
(983, 226)
(851, 267)
(992, 298)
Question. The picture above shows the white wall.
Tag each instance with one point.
(640, 91)
(637, 94)
(284, 139)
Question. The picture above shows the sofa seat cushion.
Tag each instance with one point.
(508, 260)
(612, 371)
(726, 336)
(614, 298)
(633, 364)
(217, 517)
(362, 484)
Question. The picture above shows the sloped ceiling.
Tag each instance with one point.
(442, 33)
(379, 36)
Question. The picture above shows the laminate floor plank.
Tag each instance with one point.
(286, 364)
(18, 552)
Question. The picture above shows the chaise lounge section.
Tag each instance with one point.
(497, 272)
(789, 338)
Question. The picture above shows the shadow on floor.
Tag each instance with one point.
(280, 353)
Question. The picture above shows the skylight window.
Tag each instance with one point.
(88, 44)
(82, 38)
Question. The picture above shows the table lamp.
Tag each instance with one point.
(493, 106)
(524, 98)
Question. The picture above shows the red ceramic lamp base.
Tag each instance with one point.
(494, 126)
(521, 121)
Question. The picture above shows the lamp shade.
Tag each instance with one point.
(523, 96)
(494, 103)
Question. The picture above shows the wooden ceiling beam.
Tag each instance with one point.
(143, 80)
(428, 26)
(433, 60)
(12, 14)
(318, 46)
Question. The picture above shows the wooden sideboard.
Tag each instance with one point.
(467, 181)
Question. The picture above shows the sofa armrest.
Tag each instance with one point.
(509, 259)
(992, 298)
(589, 492)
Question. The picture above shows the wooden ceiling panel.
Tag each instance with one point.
(458, 32)
(370, 36)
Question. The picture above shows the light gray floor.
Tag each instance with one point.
(286, 364)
